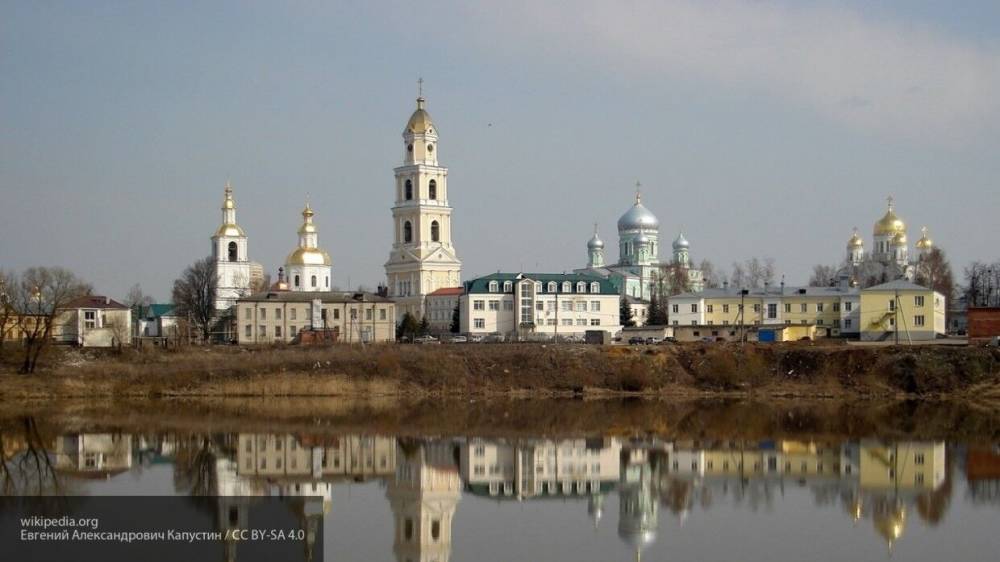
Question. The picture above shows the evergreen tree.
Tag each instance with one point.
(657, 315)
(456, 319)
(425, 326)
(625, 315)
(408, 327)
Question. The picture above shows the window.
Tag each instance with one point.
(478, 305)
(918, 320)
(432, 190)
(262, 331)
(336, 314)
(408, 529)
(567, 306)
(354, 314)
(539, 306)
(248, 332)
(892, 305)
(694, 308)
(595, 287)
(567, 322)
(581, 306)
(918, 300)
(674, 308)
(581, 321)
(292, 331)
(803, 307)
(233, 251)
(507, 286)
(296, 280)
(435, 524)
(249, 313)
(551, 287)
(263, 314)
(848, 305)
(581, 287)
(538, 286)
(479, 323)
(847, 322)
(725, 309)
(836, 307)
(772, 310)
(526, 307)
(494, 287)
(369, 314)
(435, 230)
(918, 459)
(89, 319)
(595, 306)
(277, 331)
(312, 280)
(292, 314)
(494, 305)
(756, 307)
(508, 305)
(819, 307)
(595, 321)
(567, 287)
(819, 321)
(788, 308)
(277, 314)
(409, 190)
(709, 308)
(407, 232)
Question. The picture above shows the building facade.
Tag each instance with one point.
(293, 316)
(308, 268)
(528, 305)
(423, 258)
(440, 308)
(93, 321)
(904, 309)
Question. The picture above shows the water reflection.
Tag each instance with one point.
(879, 484)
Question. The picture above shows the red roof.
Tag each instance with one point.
(94, 301)
(447, 292)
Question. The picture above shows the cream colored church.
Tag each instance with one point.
(422, 259)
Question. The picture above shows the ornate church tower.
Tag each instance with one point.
(423, 498)
(855, 249)
(229, 248)
(682, 256)
(308, 267)
(423, 258)
(595, 250)
(890, 238)
(638, 235)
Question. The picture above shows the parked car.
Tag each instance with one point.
(476, 338)
(426, 339)
(459, 339)
(669, 339)
(636, 340)
(653, 341)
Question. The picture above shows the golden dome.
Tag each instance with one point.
(856, 241)
(307, 225)
(420, 121)
(889, 223)
(899, 239)
(925, 242)
(308, 256)
(228, 202)
(232, 230)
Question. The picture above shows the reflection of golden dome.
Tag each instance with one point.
(889, 223)
(308, 256)
(891, 524)
(230, 230)
(855, 241)
(925, 242)
(420, 121)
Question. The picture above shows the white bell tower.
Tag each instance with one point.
(229, 248)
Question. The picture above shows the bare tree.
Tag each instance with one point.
(753, 273)
(934, 271)
(41, 296)
(982, 284)
(135, 298)
(194, 294)
(823, 276)
(8, 283)
(713, 278)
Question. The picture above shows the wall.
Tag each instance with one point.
(984, 322)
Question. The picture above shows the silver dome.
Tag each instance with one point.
(638, 217)
(681, 242)
(595, 242)
(642, 239)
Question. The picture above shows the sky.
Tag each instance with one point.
(759, 128)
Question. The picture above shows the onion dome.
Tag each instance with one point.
(925, 242)
(638, 217)
(231, 230)
(595, 242)
(308, 253)
(420, 121)
(889, 223)
(855, 241)
(899, 239)
(681, 242)
(642, 239)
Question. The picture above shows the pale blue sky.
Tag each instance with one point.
(760, 128)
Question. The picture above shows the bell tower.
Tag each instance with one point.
(422, 258)
(229, 249)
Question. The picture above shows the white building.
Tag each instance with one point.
(440, 308)
(527, 305)
(235, 271)
(93, 321)
(308, 267)
(423, 258)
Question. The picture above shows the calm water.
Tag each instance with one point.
(599, 498)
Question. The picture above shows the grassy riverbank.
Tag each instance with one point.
(687, 370)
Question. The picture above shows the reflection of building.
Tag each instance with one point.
(982, 471)
(569, 467)
(93, 455)
(351, 457)
(423, 497)
(638, 511)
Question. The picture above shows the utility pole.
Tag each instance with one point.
(895, 320)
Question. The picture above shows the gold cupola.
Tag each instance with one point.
(420, 122)
(925, 243)
(308, 252)
(855, 241)
(229, 228)
(890, 224)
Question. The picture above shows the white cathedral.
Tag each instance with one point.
(639, 269)
(422, 258)
(891, 247)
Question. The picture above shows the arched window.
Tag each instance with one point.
(493, 286)
(327, 281)
(433, 189)
(581, 287)
(233, 251)
(508, 286)
(435, 229)
(313, 281)
(407, 232)
(551, 287)
(538, 286)
(567, 287)
(409, 190)
(296, 280)
(595, 287)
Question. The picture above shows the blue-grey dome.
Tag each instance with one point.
(595, 242)
(638, 217)
(681, 242)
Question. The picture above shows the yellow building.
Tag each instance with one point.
(284, 316)
(900, 307)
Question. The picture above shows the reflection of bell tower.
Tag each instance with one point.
(423, 498)
(638, 513)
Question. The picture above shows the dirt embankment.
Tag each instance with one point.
(517, 370)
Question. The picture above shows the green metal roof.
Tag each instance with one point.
(481, 284)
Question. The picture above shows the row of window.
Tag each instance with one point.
(540, 305)
(262, 313)
(432, 189)
(773, 307)
(550, 287)
(408, 232)
(480, 323)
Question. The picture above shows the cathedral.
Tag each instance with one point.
(890, 248)
(422, 258)
(639, 268)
